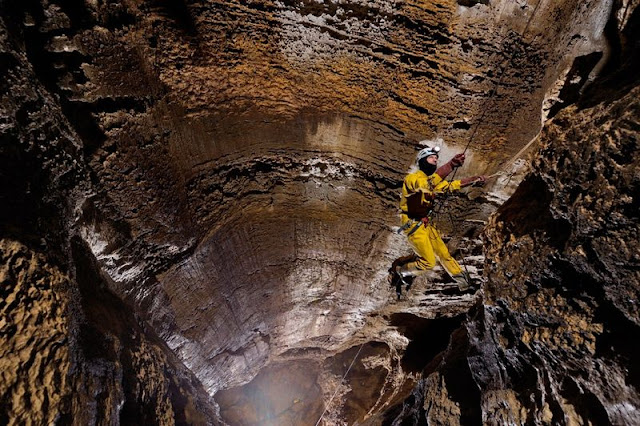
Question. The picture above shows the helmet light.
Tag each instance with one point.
(427, 151)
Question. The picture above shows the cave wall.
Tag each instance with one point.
(554, 340)
(569, 312)
(71, 351)
(563, 279)
(238, 148)
(217, 181)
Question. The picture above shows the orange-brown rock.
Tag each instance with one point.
(213, 187)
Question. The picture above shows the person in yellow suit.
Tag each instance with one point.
(419, 191)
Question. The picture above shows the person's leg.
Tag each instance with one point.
(421, 245)
(440, 249)
(448, 262)
(403, 260)
(404, 274)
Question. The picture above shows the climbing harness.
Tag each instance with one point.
(408, 225)
(415, 228)
(338, 387)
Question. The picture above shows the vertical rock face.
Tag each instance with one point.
(563, 278)
(71, 352)
(35, 354)
(201, 195)
(554, 340)
(74, 353)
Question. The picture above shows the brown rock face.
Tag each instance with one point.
(553, 341)
(73, 353)
(35, 355)
(570, 312)
(201, 201)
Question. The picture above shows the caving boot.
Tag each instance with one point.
(393, 275)
(402, 273)
(463, 280)
(396, 280)
(407, 273)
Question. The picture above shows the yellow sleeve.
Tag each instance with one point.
(444, 186)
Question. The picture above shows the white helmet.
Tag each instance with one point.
(425, 152)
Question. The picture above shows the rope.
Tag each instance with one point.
(484, 112)
(338, 387)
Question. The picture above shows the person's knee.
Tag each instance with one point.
(424, 264)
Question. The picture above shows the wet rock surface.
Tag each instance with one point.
(202, 199)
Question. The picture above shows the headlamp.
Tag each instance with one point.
(425, 152)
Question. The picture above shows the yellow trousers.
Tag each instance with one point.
(428, 245)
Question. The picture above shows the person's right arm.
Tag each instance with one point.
(444, 170)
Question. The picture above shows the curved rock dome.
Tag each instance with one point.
(203, 198)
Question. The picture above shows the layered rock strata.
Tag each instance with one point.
(554, 339)
(71, 352)
(221, 178)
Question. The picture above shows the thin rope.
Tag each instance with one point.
(338, 387)
(484, 112)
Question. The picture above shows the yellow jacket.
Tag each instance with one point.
(418, 184)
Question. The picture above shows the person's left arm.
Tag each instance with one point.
(446, 186)
(444, 170)
(456, 185)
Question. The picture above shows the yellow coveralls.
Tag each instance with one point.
(426, 240)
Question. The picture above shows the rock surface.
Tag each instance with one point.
(569, 314)
(74, 353)
(553, 341)
(202, 199)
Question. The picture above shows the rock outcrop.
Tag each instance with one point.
(72, 353)
(553, 341)
(563, 279)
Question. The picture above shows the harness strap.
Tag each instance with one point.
(425, 220)
(405, 226)
(415, 228)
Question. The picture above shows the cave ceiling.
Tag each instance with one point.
(241, 162)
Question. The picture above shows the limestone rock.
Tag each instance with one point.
(200, 198)
(563, 280)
